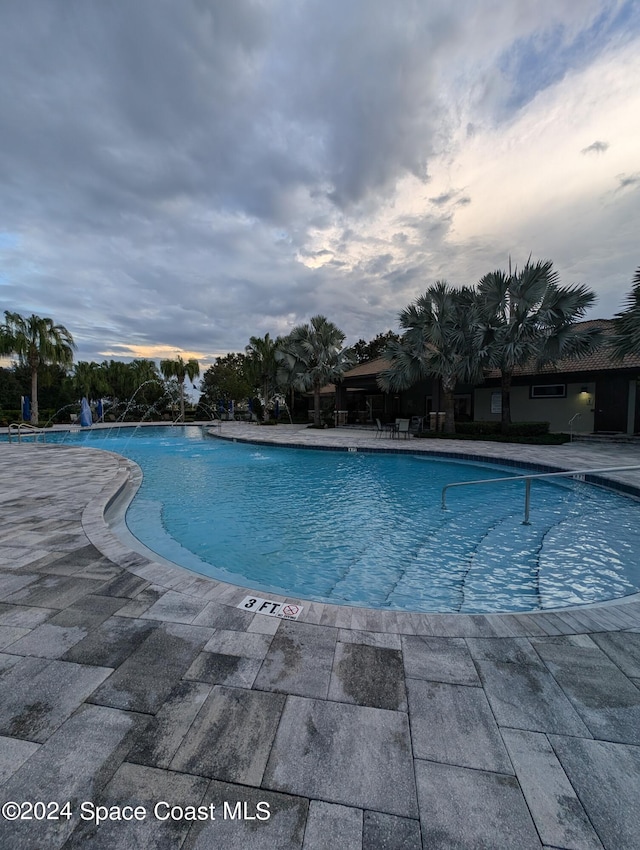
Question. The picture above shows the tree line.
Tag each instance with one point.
(453, 334)
(304, 361)
(44, 348)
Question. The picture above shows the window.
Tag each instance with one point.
(548, 391)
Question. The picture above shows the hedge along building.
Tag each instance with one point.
(597, 393)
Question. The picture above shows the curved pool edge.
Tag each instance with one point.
(613, 615)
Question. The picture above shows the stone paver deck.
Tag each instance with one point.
(129, 682)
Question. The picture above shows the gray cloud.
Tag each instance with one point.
(166, 165)
(444, 198)
(596, 147)
(626, 180)
(449, 197)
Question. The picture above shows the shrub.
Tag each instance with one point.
(528, 429)
(11, 415)
(515, 429)
(477, 428)
(540, 439)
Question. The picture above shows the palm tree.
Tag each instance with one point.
(286, 372)
(149, 388)
(626, 324)
(438, 341)
(119, 380)
(262, 366)
(5, 340)
(37, 341)
(180, 370)
(526, 316)
(312, 356)
(89, 379)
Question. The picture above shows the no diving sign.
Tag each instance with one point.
(283, 610)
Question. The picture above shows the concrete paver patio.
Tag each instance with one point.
(126, 681)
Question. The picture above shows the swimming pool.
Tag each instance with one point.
(366, 529)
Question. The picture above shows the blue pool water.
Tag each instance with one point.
(367, 529)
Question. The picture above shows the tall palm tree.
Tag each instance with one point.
(626, 324)
(312, 356)
(262, 366)
(287, 369)
(179, 369)
(37, 341)
(439, 342)
(527, 315)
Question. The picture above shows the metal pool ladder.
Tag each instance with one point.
(23, 430)
(579, 474)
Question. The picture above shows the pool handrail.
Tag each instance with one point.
(31, 431)
(528, 478)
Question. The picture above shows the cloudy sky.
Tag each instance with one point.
(180, 176)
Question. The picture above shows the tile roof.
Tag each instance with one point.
(370, 368)
(598, 361)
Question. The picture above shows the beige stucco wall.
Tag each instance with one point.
(556, 411)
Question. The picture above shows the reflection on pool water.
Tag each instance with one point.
(367, 529)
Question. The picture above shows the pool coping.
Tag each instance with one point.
(612, 615)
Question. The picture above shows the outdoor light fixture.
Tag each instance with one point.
(584, 393)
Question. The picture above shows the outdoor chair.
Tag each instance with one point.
(402, 428)
(384, 429)
(415, 427)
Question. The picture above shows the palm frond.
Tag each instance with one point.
(439, 340)
(528, 315)
(626, 325)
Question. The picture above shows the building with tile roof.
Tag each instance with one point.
(598, 393)
(592, 394)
